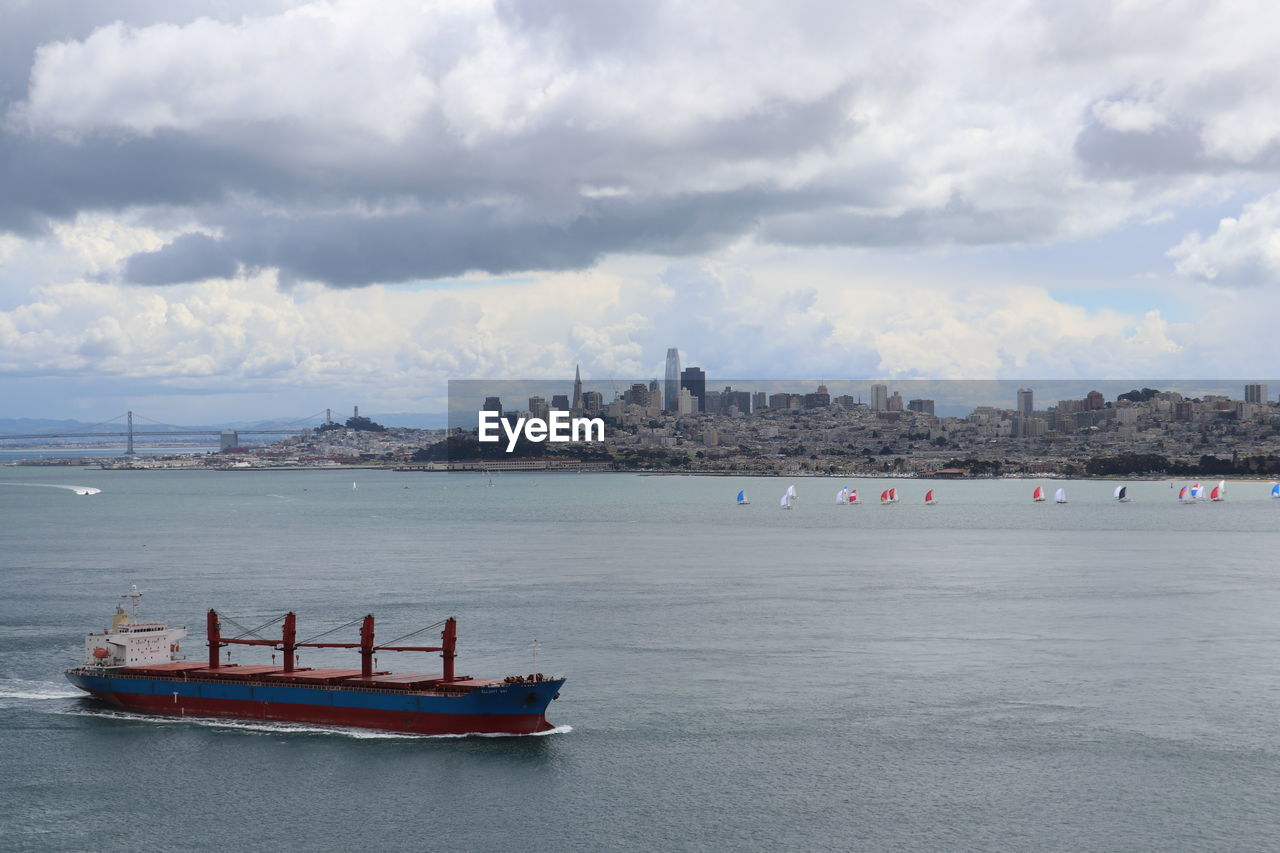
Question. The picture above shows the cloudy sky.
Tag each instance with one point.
(227, 210)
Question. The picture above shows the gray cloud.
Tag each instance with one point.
(545, 135)
(959, 222)
(346, 249)
(1174, 148)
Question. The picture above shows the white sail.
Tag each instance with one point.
(1060, 496)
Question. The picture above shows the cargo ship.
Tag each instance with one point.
(136, 665)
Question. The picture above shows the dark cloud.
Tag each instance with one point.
(191, 257)
(349, 250)
(1169, 149)
(957, 222)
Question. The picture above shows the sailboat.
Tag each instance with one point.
(893, 496)
(742, 497)
(1197, 492)
(1219, 492)
(1038, 494)
(1185, 496)
(853, 497)
(884, 497)
(842, 496)
(1060, 496)
(354, 487)
(1275, 490)
(1122, 494)
(788, 497)
(928, 498)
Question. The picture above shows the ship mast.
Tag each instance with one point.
(135, 596)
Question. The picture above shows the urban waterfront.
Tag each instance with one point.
(984, 674)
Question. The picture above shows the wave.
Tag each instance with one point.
(18, 688)
(79, 490)
(279, 728)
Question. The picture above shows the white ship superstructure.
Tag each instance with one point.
(129, 642)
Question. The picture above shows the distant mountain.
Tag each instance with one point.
(413, 420)
(27, 426)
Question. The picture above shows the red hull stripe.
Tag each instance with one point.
(365, 718)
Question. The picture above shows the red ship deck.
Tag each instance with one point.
(407, 680)
(312, 676)
(252, 671)
(472, 682)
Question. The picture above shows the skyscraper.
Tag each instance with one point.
(1255, 393)
(671, 389)
(576, 405)
(879, 398)
(1026, 402)
(695, 380)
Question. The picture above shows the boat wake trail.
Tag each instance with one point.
(18, 688)
(274, 728)
(79, 490)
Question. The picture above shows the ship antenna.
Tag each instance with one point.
(535, 654)
(135, 595)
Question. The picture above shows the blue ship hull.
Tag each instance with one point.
(502, 708)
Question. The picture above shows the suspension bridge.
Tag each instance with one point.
(124, 424)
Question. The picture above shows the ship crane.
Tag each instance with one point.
(289, 644)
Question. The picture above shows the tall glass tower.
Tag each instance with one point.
(1026, 402)
(671, 387)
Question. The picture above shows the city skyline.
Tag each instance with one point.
(946, 398)
(507, 190)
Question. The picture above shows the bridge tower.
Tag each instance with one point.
(129, 450)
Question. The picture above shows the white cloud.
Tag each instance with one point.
(395, 348)
(1130, 116)
(1244, 250)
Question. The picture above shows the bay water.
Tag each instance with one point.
(983, 674)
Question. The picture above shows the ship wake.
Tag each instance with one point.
(18, 688)
(79, 490)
